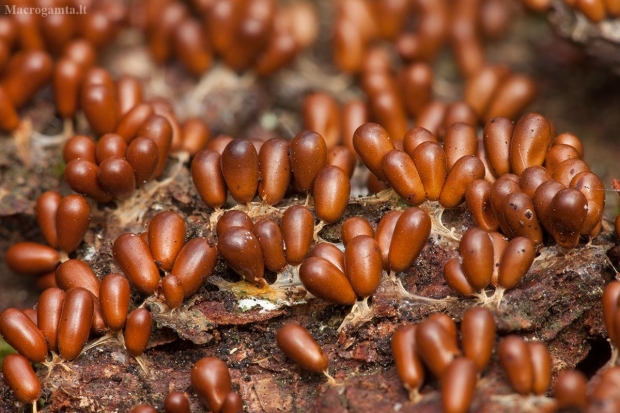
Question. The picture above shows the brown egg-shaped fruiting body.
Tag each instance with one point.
(81, 176)
(456, 278)
(10, 119)
(387, 108)
(166, 238)
(331, 190)
(158, 129)
(196, 134)
(446, 322)
(79, 147)
(129, 92)
(465, 170)
(408, 364)
(478, 200)
(191, 47)
(72, 220)
(410, 235)
(512, 96)
(208, 179)
(325, 281)
(27, 72)
(543, 196)
(478, 336)
(460, 140)
(49, 310)
(210, 379)
(354, 226)
(218, 144)
(344, 158)
(500, 189)
(610, 299)
(110, 144)
(347, 46)
(476, 250)
(143, 408)
(75, 322)
(458, 386)
(602, 396)
(430, 161)
(497, 136)
(98, 326)
(132, 121)
(402, 175)
(384, 234)
(279, 52)
(415, 137)
(416, 81)
(308, 155)
(363, 265)
(297, 343)
(374, 185)
(558, 154)
(297, 231)
(76, 273)
(520, 217)
(532, 178)
(570, 140)
(480, 88)
(23, 335)
(241, 249)
(541, 367)
(566, 171)
(30, 258)
(240, 169)
(233, 218)
(271, 242)
(321, 113)
(372, 142)
(21, 378)
(114, 295)
(31, 313)
(514, 354)
(516, 262)
(330, 252)
(100, 106)
(138, 331)
(116, 176)
(233, 403)
(570, 390)
(354, 114)
(176, 402)
(134, 258)
(591, 186)
(567, 213)
(195, 263)
(143, 156)
(172, 289)
(530, 141)
(274, 170)
(436, 346)
(45, 211)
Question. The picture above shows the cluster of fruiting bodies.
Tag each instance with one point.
(523, 186)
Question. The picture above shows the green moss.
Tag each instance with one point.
(5, 349)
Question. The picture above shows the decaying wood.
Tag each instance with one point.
(558, 303)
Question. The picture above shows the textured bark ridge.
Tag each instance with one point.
(558, 303)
